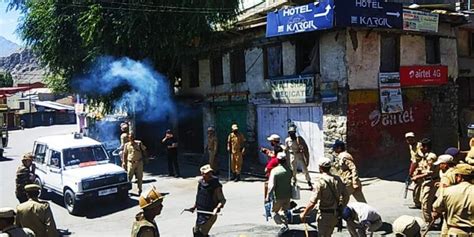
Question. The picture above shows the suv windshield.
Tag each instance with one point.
(84, 155)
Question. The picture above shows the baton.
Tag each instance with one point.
(202, 212)
(306, 230)
(428, 228)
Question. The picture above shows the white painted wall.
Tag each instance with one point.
(363, 61)
(332, 47)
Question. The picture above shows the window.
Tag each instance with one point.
(40, 153)
(389, 53)
(237, 66)
(307, 56)
(55, 159)
(76, 156)
(216, 70)
(194, 73)
(22, 105)
(272, 61)
(432, 50)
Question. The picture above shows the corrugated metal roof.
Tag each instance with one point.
(53, 105)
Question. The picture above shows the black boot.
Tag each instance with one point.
(310, 185)
(233, 176)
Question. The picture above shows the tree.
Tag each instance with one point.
(69, 35)
(6, 80)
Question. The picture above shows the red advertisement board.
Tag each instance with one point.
(423, 75)
(373, 136)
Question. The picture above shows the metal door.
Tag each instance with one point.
(308, 119)
(226, 115)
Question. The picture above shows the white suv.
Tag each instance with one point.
(78, 168)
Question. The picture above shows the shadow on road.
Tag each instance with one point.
(108, 205)
(5, 159)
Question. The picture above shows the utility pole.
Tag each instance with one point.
(29, 102)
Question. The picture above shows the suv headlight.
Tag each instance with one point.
(123, 178)
(86, 184)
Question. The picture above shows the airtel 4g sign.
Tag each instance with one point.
(423, 75)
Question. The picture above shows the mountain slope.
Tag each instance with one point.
(7, 47)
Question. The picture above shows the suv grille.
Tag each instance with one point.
(103, 181)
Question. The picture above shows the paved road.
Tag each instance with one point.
(242, 216)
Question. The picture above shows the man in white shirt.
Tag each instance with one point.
(361, 218)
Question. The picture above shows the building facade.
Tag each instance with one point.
(329, 84)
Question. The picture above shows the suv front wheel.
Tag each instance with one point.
(70, 202)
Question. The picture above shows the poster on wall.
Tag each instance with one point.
(292, 90)
(390, 92)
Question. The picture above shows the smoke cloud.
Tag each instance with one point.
(149, 96)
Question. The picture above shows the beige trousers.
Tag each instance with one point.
(236, 162)
(136, 169)
(427, 198)
(294, 160)
(356, 193)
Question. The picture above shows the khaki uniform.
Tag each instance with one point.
(37, 216)
(123, 138)
(297, 150)
(23, 177)
(143, 228)
(448, 178)
(415, 158)
(428, 189)
(457, 202)
(236, 143)
(349, 176)
(330, 192)
(212, 149)
(13, 231)
(134, 158)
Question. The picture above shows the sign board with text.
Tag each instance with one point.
(369, 13)
(305, 18)
(420, 21)
(293, 90)
(423, 75)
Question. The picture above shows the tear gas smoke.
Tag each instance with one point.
(148, 97)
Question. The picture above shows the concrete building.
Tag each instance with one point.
(328, 83)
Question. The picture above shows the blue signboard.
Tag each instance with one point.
(305, 18)
(369, 13)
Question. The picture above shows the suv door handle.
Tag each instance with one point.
(54, 171)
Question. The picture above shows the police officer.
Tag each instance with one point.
(349, 174)
(408, 226)
(25, 174)
(429, 175)
(415, 158)
(212, 149)
(447, 178)
(236, 147)
(7, 226)
(210, 199)
(331, 194)
(299, 154)
(151, 204)
(36, 214)
(279, 187)
(134, 153)
(457, 202)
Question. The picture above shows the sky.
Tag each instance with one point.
(8, 23)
